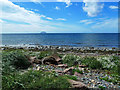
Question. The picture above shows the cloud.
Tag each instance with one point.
(113, 7)
(36, 1)
(68, 2)
(57, 8)
(14, 13)
(49, 18)
(61, 19)
(92, 7)
(86, 21)
(107, 26)
(34, 10)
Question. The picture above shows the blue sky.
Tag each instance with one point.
(59, 17)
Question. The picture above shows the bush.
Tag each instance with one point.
(71, 77)
(14, 59)
(35, 80)
(92, 63)
(78, 71)
(111, 63)
(43, 54)
(70, 59)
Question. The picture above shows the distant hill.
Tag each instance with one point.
(43, 32)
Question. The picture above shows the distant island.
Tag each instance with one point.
(43, 32)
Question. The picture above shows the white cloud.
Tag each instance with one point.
(57, 8)
(61, 19)
(49, 18)
(92, 7)
(68, 2)
(113, 7)
(86, 21)
(107, 25)
(34, 9)
(15, 13)
(36, 1)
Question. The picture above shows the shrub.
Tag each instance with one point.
(71, 77)
(35, 80)
(78, 71)
(111, 63)
(14, 59)
(70, 59)
(43, 54)
(92, 62)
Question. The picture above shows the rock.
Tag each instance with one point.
(78, 74)
(78, 84)
(82, 66)
(38, 68)
(49, 60)
(34, 60)
(69, 71)
(63, 65)
(81, 69)
(92, 81)
(57, 58)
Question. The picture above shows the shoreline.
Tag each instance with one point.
(58, 47)
(82, 51)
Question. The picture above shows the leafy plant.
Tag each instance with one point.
(14, 60)
(70, 59)
(92, 62)
(78, 71)
(43, 54)
(71, 77)
(35, 80)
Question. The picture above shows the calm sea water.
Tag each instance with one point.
(70, 39)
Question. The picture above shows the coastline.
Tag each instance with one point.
(82, 51)
(67, 47)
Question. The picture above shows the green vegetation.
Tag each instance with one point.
(43, 54)
(71, 77)
(70, 59)
(102, 88)
(14, 60)
(78, 71)
(12, 77)
(92, 62)
(34, 79)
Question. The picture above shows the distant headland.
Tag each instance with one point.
(43, 32)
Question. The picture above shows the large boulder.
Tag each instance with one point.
(54, 59)
(49, 60)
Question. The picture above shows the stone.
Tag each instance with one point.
(92, 81)
(57, 58)
(69, 71)
(35, 60)
(78, 74)
(78, 84)
(49, 60)
(63, 65)
(38, 68)
(82, 66)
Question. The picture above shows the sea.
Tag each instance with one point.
(63, 39)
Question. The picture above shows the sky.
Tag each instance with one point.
(61, 16)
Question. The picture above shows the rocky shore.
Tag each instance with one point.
(88, 78)
(92, 50)
(85, 67)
